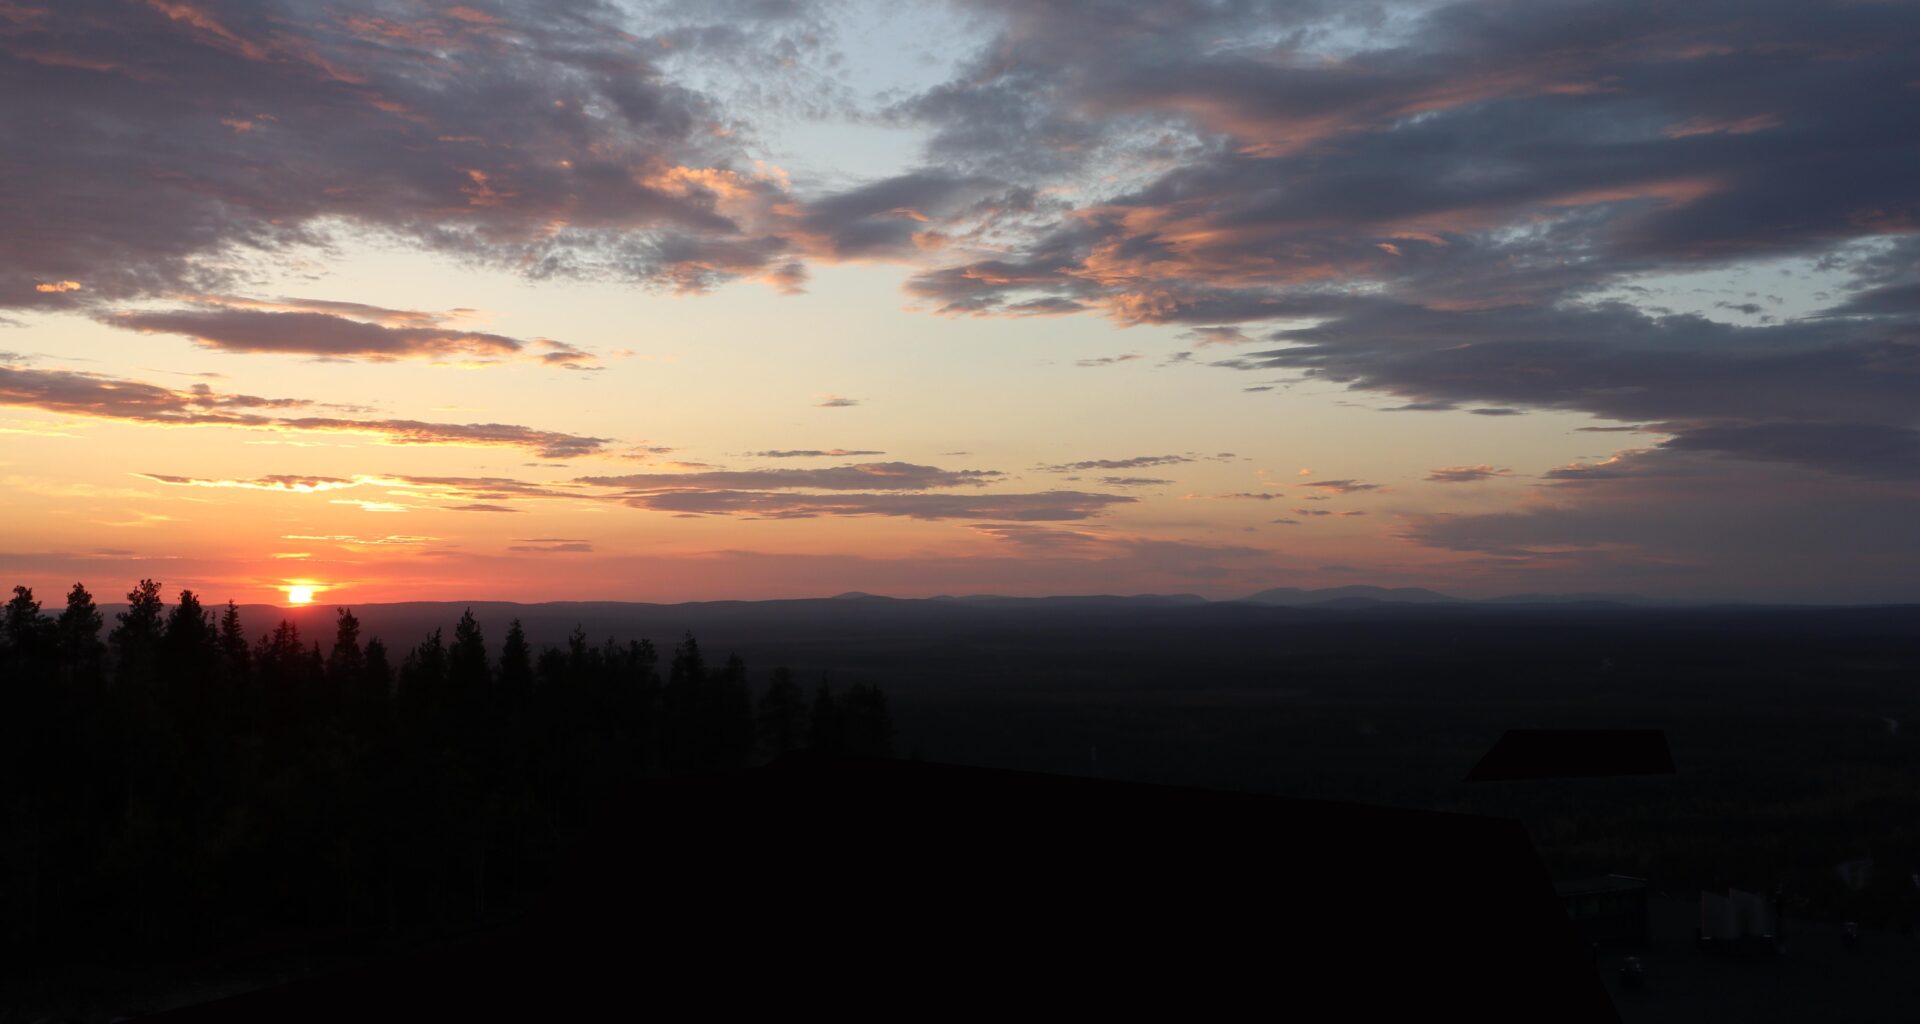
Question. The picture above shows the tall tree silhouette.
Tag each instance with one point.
(467, 660)
(346, 661)
(826, 729)
(377, 672)
(866, 727)
(188, 649)
(233, 642)
(78, 632)
(220, 788)
(136, 640)
(782, 719)
(24, 627)
(516, 667)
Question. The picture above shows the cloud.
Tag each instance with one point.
(1220, 335)
(335, 330)
(1145, 556)
(1136, 462)
(1506, 275)
(886, 476)
(316, 334)
(1042, 506)
(281, 482)
(479, 507)
(811, 453)
(548, 139)
(1051, 539)
(1133, 481)
(836, 402)
(1108, 360)
(1681, 522)
(566, 357)
(1466, 474)
(1339, 486)
(348, 540)
(112, 398)
(565, 547)
(1875, 450)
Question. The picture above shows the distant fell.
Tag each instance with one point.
(1349, 596)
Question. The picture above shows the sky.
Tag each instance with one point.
(584, 300)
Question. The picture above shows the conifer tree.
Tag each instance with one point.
(782, 719)
(136, 640)
(78, 632)
(516, 666)
(233, 641)
(826, 733)
(23, 625)
(467, 660)
(866, 726)
(346, 661)
(376, 673)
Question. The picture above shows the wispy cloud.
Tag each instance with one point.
(1466, 474)
(1339, 486)
(101, 396)
(812, 453)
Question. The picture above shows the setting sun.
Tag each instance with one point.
(300, 595)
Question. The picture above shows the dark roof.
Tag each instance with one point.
(869, 887)
(1602, 883)
(1574, 754)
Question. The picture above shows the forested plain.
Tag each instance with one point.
(184, 778)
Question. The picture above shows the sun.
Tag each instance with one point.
(300, 595)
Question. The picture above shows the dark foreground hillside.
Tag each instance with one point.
(343, 822)
(869, 889)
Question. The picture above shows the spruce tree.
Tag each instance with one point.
(782, 719)
(233, 641)
(136, 640)
(78, 632)
(346, 661)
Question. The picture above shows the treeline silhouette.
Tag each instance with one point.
(170, 787)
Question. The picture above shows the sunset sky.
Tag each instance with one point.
(685, 301)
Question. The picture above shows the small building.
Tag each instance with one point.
(1740, 920)
(1609, 909)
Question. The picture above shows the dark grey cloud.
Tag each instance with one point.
(320, 334)
(1672, 521)
(1847, 382)
(1108, 360)
(1133, 481)
(547, 137)
(836, 402)
(894, 216)
(1432, 206)
(1863, 449)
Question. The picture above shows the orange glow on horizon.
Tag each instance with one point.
(300, 594)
